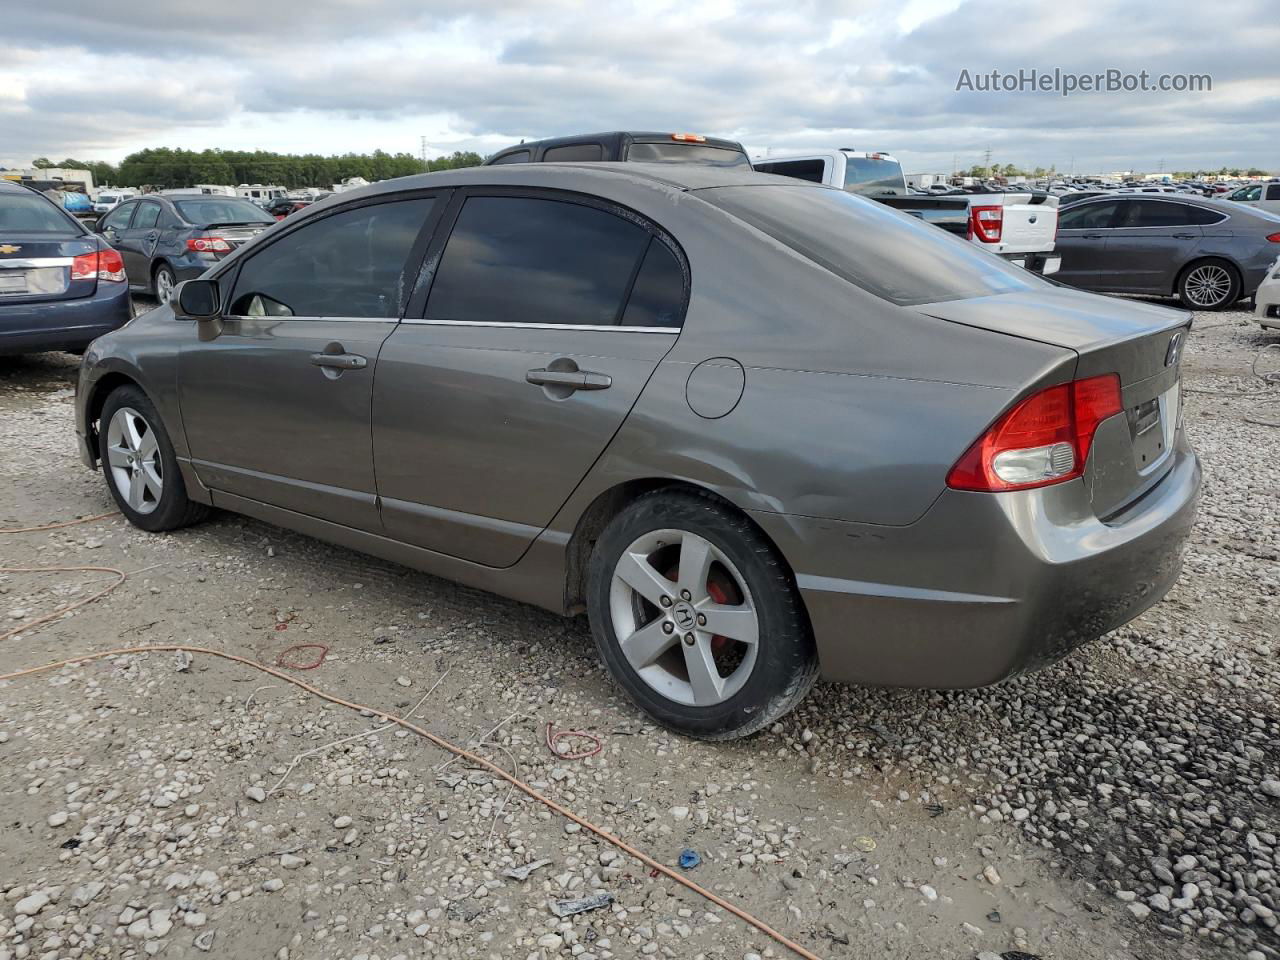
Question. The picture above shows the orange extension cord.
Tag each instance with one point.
(427, 735)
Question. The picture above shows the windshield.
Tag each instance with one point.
(23, 213)
(890, 254)
(871, 177)
(676, 152)
(221, 210)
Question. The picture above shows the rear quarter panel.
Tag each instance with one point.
(852, 408)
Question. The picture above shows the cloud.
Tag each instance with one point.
(337, 75)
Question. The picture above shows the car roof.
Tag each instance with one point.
(676, 177)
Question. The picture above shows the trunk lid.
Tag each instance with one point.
(1141, 343)
(35, 268)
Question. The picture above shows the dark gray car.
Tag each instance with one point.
(1210, 253)
(756, 428)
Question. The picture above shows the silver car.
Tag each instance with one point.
(759, 430)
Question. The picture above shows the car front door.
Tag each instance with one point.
(276, 408)
(546, 317)
(1150, 243)
(1082, 241)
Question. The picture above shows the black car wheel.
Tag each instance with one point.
(698, 618)
(139, 464)
(165, 282)
(1209, 285)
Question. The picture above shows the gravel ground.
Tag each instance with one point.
(1122, 804)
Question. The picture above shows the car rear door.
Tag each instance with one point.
(138, 241)
(546, 316)
(1150, 243)
(1083, 229)
(276, 408)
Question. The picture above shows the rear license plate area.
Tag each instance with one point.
(14, 281)
(1152, 426)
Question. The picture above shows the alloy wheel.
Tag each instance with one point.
(133, 456)
(1208, 285)
(684, 617)
(164, 285)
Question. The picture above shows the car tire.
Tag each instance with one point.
(164, 282)
(666, 571)
(1210, 284)
(140, 466)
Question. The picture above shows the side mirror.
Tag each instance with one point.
(201, 301)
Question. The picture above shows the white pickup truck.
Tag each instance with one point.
(1019, 226)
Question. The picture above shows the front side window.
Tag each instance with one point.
(1089, 216)
(1273, 191)
(118, 219)
(349, 264)
(146, 217)
(530, 260)
(1154, 213)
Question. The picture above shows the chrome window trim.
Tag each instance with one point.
(305, 316)
(539, 326)
(34, 263)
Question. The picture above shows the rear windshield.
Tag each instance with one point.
(887, 253)
(869, 176)
(675, 152)
(26, 213)
(213, 210)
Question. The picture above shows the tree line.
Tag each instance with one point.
(1039, 173)
(169, 167)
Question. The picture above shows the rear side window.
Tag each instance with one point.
(349, 264)
(1157, 213)
(657, 297)
(677, 152)
(1202, 216)
(799, 169)
(530, 260)
(1089, 216)
(574, 153)
(520, 156)
(1273, 191)
(27, 213)
(889, 254)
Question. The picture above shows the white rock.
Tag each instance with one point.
(291, 861)
(341, 823)
(680, 813)
(928, 893)
(256, 794)
(992, 876)
(551, 941)
(32, 904)
(272, 885)
(1270, 787)
(58, 819)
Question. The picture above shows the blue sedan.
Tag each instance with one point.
(61, 286)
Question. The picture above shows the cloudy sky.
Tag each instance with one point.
(100, 80)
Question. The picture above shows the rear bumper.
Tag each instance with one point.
(984, 586)
(63, 324)
(1041, 263)
(1268, 297)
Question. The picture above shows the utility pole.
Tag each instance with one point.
(986, 161)
(423, 153)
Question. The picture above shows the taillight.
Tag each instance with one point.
(1045, 439)
(208, 245)
(1273, 238)
(101, 265)
(986, 223)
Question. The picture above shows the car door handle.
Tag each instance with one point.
(1090, 236)
(572, 379)
(1184, 236)
(339, 361)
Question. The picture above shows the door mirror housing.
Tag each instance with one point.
(200, 300)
